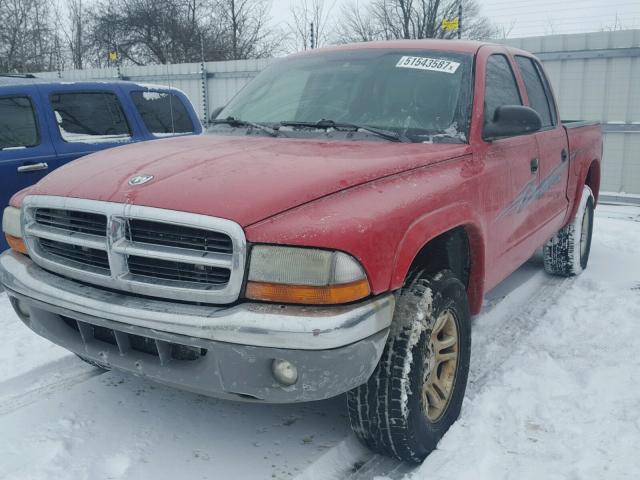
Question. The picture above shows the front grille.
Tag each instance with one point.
(178, 271)
(155, 233)
(140, 250)
(72, 221)
(76, 255)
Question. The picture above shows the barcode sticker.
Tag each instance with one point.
(426, 63)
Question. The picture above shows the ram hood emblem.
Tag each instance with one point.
(140, 179)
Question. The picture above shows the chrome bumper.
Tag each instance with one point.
(334, 349)
(263, 325)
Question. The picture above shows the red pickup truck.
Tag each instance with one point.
(333, 233)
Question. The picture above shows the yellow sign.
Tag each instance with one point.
(450, 24)
(113, 56)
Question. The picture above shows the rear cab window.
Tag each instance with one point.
(501, 87)
(18, 126)
(90, 117)
(163, 113)
(537, 91)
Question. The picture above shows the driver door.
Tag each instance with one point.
(511, 176)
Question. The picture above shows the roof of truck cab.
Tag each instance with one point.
(456, 46)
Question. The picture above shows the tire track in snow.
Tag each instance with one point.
(41, 382)
(506, 320)
(501, 331)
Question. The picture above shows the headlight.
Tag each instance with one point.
(304, 275)
(12, 228)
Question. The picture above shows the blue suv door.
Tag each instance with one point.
(26, 152)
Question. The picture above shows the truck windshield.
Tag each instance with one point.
(421, 95)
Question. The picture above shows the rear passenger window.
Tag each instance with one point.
(163, 113)
(535, 90)
(90, 117)
(18, 128)
(500, 86)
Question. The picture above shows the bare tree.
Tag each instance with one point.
(156, 31)
(25, 36)
(504, 31)
(410, 19)
(310, 18)
(70, 43)
(245, 24)
(357, 25)
(76, 36)
(177, 31)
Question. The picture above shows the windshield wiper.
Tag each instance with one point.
(325, 124)
(236, 122)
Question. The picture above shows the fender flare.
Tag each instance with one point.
(590, 171)
(430, 226)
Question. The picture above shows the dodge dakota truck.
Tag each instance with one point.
(333, 233)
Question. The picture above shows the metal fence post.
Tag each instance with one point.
(205, 95)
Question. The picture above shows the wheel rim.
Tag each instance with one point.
(440, 366)
(584, 234)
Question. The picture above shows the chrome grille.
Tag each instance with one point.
(72, 221)
(143, 250)
(155, 233)
(179, 271)
(80, 256)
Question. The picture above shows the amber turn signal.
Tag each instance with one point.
(16, 244)
(306, 294)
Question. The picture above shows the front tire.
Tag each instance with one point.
(416, 391)
(567, 253)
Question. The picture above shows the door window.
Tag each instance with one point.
(18, 127)
(163, 113)
(500, 86)
(538, 99)
(547, 89)
(90, 117)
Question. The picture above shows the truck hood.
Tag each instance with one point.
(245, 179)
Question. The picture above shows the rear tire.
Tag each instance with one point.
(567, 253)
(416, 391)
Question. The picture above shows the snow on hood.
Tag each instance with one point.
(245, 179)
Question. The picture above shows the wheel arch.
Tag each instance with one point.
(592, 179)
(589, 176)
(458, 246)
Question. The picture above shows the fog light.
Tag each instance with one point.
(284, 372)
(21, 309)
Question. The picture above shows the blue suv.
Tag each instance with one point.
(45, 124)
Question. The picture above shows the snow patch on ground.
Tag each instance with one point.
(565, 403)
(554, 393)
(22, 350)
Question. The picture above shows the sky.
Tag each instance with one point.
(525, 18)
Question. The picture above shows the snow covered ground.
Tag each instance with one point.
(554, 393)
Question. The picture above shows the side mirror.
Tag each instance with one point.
(512, 120)
(214, 114)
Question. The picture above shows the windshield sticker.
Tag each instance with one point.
(426, 63)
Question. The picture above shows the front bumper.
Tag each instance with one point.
(334, 349)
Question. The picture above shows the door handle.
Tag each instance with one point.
(34, 167)
(535, 164)
(563, 155)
